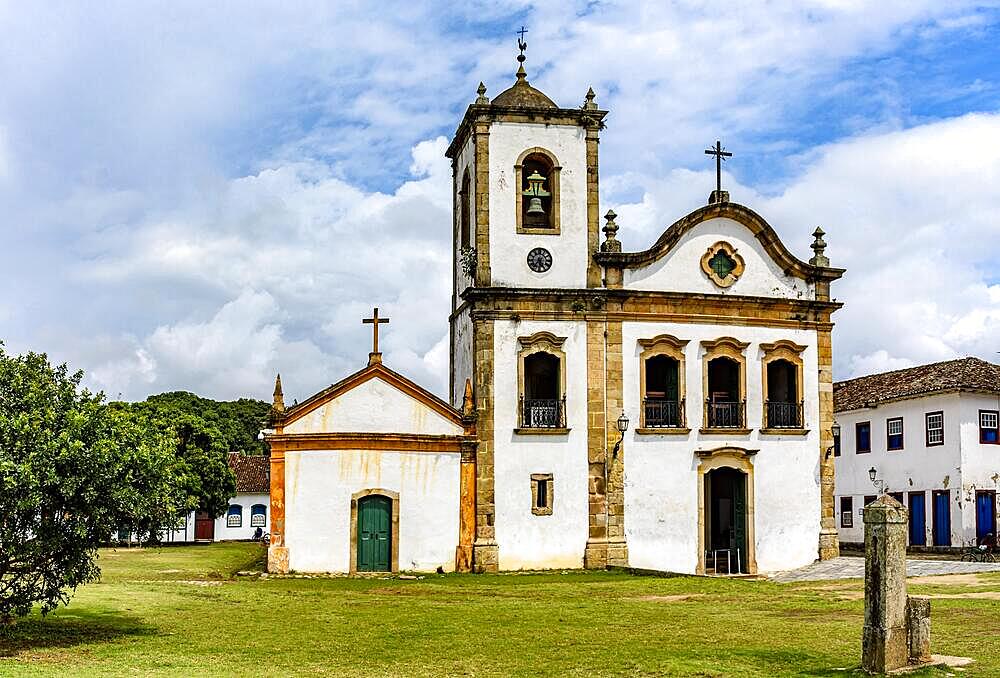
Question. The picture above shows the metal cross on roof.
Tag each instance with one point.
(521, 44)
(720, 154)
(375, 321)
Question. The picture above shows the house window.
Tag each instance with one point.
(661, 367)
(234, 517)
(258, 515)
(542, 382)
(725, 384)
(988, 420)
(541, 494)
(782, 382)
(863, 437)
(536, 176)
(465, 211)
(847, 511)
(894, 433)
(935, 428)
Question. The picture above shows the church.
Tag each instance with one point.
(669, 409)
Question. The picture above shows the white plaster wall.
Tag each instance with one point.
(661, 478)
(915, 468)
(508, 249)
(466, 160)
(680, 269)
(528, 541)
(318, 490)
(374, 407)
(225, 533)
(980, 463)
(461, 357)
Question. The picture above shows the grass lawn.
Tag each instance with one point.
(179, 611)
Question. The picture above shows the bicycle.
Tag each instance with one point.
(978, 554)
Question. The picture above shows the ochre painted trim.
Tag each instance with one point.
(390, 442)
(541, 431)
(394, 546)
(726, 431)
(663, 431)
(784, 431)
(387, 375)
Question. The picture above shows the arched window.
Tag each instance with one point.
(258, 515)
(465, 211)
(661, 377)
(537, 179)
(725, 384)
(782, 385)
(541, 377)
(234, 516)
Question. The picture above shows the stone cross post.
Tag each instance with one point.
(884, 645)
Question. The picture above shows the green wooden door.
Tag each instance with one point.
(739, 540)
(374, 534)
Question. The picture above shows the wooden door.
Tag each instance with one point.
(374, 534)
(740, 518)
(204, 526)
(986, 512)
(918, 524)
(942, 518)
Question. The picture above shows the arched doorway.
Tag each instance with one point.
(375, 531)
(726, 511)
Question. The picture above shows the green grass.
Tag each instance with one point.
(179, 611)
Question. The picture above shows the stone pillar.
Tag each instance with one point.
(884, 643)
(829, 541)
(277, 552)
(467, 508)
(617, 548)
(485, 551)
(595, 554)
(918, 621)
(593, 207)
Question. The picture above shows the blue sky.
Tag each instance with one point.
(195, 197)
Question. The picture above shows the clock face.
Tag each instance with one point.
(539, 260)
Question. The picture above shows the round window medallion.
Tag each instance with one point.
(539, 260)
(722, 264)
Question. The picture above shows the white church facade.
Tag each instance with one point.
(668, 409)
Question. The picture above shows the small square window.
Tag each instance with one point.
(234, 517)
(258, 515)
(863, 437)
(541, 494)
(894, 433)
(935, 428)
(988, 429)
(847, 511)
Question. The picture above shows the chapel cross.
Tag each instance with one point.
(374, 321)
(521, 44)
(720, 154)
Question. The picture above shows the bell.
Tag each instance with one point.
(536, 193)
(535, 207)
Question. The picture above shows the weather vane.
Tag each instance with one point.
(521, 44)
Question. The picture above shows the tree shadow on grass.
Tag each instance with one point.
(65, 629)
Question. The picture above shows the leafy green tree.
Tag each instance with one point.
(72, 471)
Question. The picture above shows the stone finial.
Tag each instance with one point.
(718, 196)
(819, 247)
(482, 99)
(588, 101)
(279, 397)
(468, 404)
(610, 229)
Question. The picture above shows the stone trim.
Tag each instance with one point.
(724, 347)
(535, 508)
(541, 431)
(477, 114)
(553, 189)
(594, 272)
(387, 442)
(595, 555)
(482, 204)
(734, 275)
(792, 353)
(829, 539)
(662, 431)
(740, 459)
(784, 431)
(707, 430)
(485, 551)
(394, 546)
(672, 347)
(540, 342)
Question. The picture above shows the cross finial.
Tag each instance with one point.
(521, 45)
(720, 154)
(375, 321)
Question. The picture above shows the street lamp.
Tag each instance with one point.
(835, 430)
(877, 482)
(622, 427)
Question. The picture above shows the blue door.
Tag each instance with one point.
(942, 518)
(918, 520)
(985, 514)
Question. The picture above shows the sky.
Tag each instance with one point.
(195, 196)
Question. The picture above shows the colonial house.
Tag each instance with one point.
(928, 436)
(670, 408)
(247, 511)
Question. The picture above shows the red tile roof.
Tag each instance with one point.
(252, 472)
(964, 374)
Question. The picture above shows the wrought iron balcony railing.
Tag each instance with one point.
(660, 413)
(722, 414)
(782, 415)
(543, 413)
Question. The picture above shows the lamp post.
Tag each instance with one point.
(835, 430)
(877, 482)
(622, 427)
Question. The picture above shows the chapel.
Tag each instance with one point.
(668, 409)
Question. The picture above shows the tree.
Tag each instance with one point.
(72, 471)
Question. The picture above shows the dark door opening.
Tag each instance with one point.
(541, 403)
(204, 526)
(783, 407)
(725, 402)
(726, 521)
(662, 406)
(374, 533)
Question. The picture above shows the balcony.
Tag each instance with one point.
(782, 415)
(725, 414)
(660, 413)
(543, 414)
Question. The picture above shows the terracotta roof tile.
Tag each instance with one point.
(964, 374)
(252, 472)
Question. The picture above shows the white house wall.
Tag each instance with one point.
(245, 500)
(980, 463)
(680, 269)
(661, 471)
(319, 485)
(540, 541)
(374, 407)
(508, 249)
